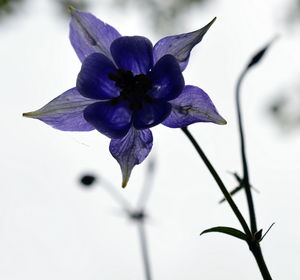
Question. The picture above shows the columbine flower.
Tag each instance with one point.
(126, 86)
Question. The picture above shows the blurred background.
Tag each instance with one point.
(53, 227)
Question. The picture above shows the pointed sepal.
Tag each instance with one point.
(191, 106)
(180, 46)
(64, 112)
(131, 150)
(89, 34)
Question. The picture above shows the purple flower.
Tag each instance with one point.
(125, 86)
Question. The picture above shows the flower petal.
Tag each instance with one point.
(180, 45)
(89, 34)
(131, 150)
(193, 105)
(133, 54)
(113, 121)
(151, 114)
(65, 112)
(93, 81)
(167, 79)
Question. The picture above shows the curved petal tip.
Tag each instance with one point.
(125, 181)
(221, 121)
(71, 10)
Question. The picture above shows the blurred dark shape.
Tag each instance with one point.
(260, 54)
(137, 215)
(77, 4)
(285, 109)
(8, 7)
(87, 180)
(164, 16)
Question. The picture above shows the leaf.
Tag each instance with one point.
(227, 230)
(258, 235)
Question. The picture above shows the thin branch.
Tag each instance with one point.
(219, 182)
(246, 183)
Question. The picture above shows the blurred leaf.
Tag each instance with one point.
(165, 16)
(227, 230)
(8, 7)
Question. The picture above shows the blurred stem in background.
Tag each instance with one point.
(136, 214)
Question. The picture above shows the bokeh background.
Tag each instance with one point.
(53, 228)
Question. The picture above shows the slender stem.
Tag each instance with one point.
(257, 253)
(246, 182)
(253, 244)
(218, 181)
(144, 247)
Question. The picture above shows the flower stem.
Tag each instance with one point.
(257, 253)
(218, 181)
(246, 182)
(253, 244)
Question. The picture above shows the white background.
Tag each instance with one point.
(51, 228)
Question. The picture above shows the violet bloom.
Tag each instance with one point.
(126, 86)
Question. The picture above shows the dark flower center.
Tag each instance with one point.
(133, 88)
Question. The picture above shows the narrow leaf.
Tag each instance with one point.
(227, 230)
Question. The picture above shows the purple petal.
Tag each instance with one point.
(193, 105)
(151, 114)
(131, 150)
(93, 79)
(89, 34)
(133, 54)
(167, 79)
(113, 121)
(65, 112)
(180, 46)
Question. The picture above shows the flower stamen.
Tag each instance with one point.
(134, 89)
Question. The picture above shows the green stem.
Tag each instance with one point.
(246, 182)
(253, 244)
(218, 181)
(257, 253)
